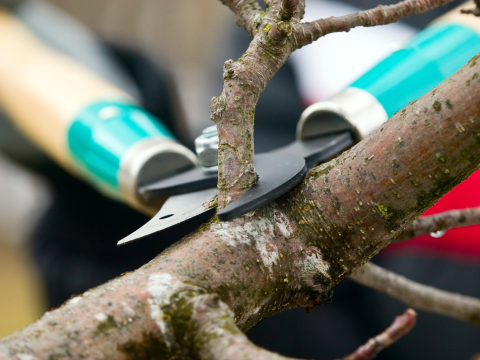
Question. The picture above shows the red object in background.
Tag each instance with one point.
(459, 242)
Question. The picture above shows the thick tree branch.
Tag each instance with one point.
(418, 296)
(309, 32)
(216, 336)
(246, 11)
(289, 253)
(440, 222)
(401, 326)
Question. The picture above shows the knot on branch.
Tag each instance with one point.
(218, 106)
(228, 70)
(280, 32)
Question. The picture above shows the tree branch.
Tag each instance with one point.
(309, 32)
(246, 11)
(418, 296)
(289, 253)
(401, 326)
(234, 110)
(287, 9)
(440, 222)
(216, 336)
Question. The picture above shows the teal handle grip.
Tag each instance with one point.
(429, 58)
(101, 135)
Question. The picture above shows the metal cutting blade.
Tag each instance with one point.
(176, 210)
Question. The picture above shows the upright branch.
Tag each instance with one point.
(381, 15)
(244, 81)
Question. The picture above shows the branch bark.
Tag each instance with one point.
(245, 13)
(287, 9)
(418, 296)
(381, 15)
(440, 222)
(234, 110)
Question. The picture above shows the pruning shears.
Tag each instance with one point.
(329, 126)
(98, 132)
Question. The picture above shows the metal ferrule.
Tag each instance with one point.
(352, 109)
(148, 160)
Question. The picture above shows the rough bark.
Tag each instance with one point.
(234, 110)
(287, 254)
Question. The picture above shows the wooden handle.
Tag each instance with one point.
(42, 90)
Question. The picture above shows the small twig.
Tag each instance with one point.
(438, 222)
(307, 33)
(245, 12)
(287, 9)
(400, 326)
(475, 11)
(418, 296)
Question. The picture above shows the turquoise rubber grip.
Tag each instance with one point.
(101, 134)
(429, 58)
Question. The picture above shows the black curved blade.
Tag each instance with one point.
(313, 150)
(320, 149)
(278, 173)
